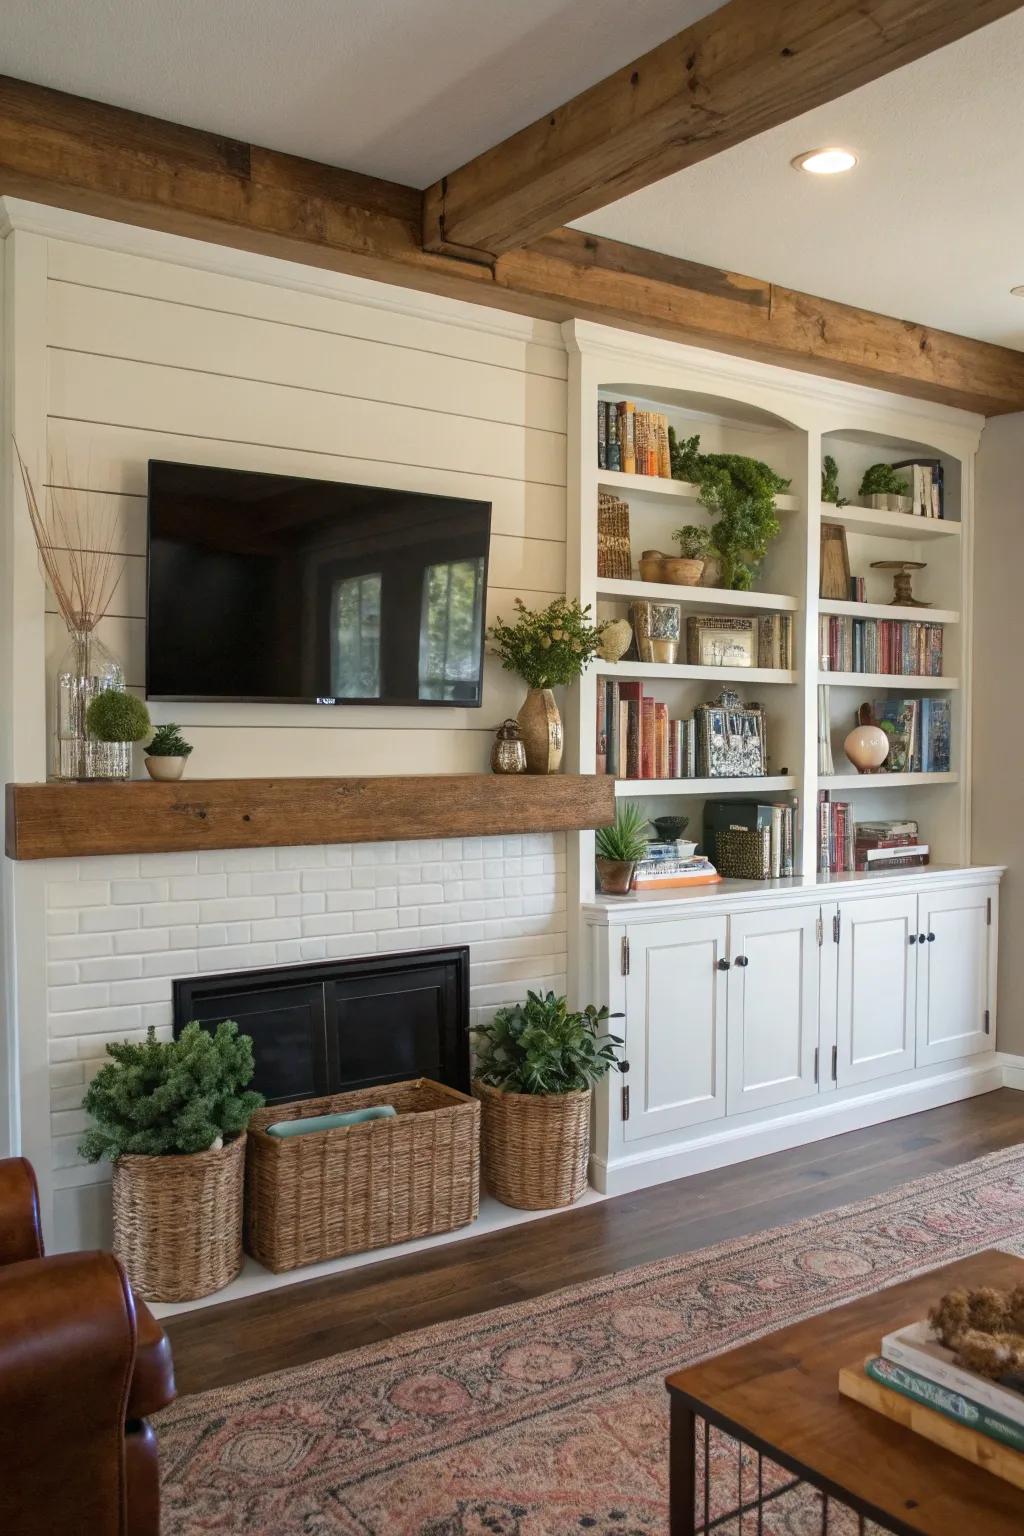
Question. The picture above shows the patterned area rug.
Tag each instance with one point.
(549, 1417)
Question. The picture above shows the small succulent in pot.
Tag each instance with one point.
(694, 543)
(167, 753)
(883, 488)
(619, 848)
(114, 720)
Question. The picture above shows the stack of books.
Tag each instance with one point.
(953, 1407)
(633, 441)
(836, 835)
(919, 734)
(925, 480)
(664, 869)
(888, 845)
(755, 815)
(635, 737)
(902, 648)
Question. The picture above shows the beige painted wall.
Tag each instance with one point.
(998, 788)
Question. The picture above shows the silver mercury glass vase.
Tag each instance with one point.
(86, 669)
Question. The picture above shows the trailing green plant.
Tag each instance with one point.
(114, 715)
(625, 841)
(548, 646)
(694, 543)
(830, 482)
(541, 1046)
(882, 480)
(158, 1097)
(740, 493)
(168, 742)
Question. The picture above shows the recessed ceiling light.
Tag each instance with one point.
(825, 162)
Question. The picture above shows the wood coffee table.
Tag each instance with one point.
(779, 1398)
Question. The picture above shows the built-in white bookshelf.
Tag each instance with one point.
(790, 421)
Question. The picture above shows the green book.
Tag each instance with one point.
(953, 1405)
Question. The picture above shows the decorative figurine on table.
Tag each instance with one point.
(508, 754)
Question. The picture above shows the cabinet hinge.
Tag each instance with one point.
(625, 956)
(837, 923)
(988, 911)
(835, 1063)
(821, 925)
(817, 1056)
(988, 1021)
(625, 1101)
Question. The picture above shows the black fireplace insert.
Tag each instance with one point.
(331, 1026)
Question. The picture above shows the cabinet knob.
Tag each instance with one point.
(931, 938)
(912, 938)
(741, 960)
(922, 936)
(723, 964)
(623, 1066)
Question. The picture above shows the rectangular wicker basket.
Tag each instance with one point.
(328, 1193)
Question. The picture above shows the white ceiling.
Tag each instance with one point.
(928, 227)
(406, 89)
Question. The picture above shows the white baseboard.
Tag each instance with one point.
(728, 1144)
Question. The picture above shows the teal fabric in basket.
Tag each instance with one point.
(330, 1122)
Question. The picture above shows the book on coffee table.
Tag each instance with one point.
(918, 1350)
(962, 1410)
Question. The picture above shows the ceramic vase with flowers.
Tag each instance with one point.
(548, 648)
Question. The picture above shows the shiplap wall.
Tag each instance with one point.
(149, 359)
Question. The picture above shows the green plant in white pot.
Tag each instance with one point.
(167, 753)
(536, 1066)
(171, 1116)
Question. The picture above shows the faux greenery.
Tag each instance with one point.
(166, 1096)
(882, 480)
(540, 1046)
(740, 493)
(694, 543)
(547, 647)
(625, 841)
(117, 716)
(830, 482)
(168, 742)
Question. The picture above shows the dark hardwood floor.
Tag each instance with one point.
(303, 1322)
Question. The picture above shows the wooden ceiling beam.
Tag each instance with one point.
(101, 160)
(745, 68)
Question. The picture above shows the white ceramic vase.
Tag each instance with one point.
(165, 768)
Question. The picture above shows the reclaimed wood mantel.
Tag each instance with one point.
(59, 821)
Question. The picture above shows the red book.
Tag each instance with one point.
(648, 744)
(661, 768)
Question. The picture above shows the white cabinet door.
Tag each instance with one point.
(773, 1007)
(877, 987)
(675, 1024)
(955, 973)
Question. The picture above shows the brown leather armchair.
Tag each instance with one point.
(82, 1364)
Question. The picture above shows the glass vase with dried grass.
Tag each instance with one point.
(77, 535)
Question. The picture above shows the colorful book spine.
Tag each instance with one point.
(602, 434)
(627, 436)
(601, 745)
(648, 745)
(612, 449)
(955, 1405)
(661, 741)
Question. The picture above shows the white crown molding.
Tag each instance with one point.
(588, 338)
(157, 245)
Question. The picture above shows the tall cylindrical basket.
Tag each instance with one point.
(534, 1146)
(178, 1221)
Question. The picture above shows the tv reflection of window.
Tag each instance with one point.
(450, 623)
(355, 637)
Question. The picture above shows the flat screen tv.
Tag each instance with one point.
(278, 589)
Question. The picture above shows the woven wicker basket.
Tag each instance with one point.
(534, 1146)
(318, 1196)
(178, 1221)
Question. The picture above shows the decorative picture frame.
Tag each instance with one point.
(714, 641)
(731, 739)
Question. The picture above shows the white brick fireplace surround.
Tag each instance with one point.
(118, 930)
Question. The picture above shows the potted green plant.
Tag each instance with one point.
(171, 1117)
(167, 753)
(739, 492)
(619, 848)
(830, 482)
(547, 648)
(694, 548)
(884, 489)
(536, 1065)
(114, 719)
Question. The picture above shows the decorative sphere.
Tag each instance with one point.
(867, 747)
(615, 640)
